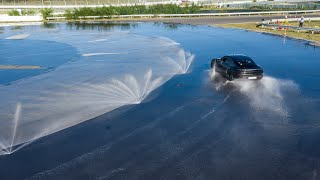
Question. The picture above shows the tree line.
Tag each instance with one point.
(109, 11)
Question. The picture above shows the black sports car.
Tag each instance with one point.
(237, 67)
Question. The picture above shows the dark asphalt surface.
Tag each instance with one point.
(193, 127)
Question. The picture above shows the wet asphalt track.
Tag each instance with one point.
(194, 127)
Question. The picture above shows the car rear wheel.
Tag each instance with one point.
(229, 75)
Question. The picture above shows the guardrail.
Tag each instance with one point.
(192, 15)
(6, 18)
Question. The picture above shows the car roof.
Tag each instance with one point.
(239, 57)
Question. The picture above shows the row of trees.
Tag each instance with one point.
(109, 11)
(45, 12)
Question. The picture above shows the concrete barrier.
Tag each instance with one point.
(6, 18)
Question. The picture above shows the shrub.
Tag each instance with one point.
(106, 11)
(13, 13)
(68, 14)
(28, 12)
(46, 12)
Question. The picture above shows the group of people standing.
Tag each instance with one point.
(284, 22)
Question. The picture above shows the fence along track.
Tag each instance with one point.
(191, 15)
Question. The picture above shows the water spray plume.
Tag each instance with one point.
(266, 94)
(7, 148)
(181, 64)
(15, 124)
(94, 84)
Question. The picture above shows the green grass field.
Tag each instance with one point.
(299, 35)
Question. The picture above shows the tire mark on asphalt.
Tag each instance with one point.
(213, 110)
(99, 151)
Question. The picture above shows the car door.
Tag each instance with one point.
(226, 65)
(220, 67)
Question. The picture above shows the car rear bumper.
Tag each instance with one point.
(247, 75)
(256, 77)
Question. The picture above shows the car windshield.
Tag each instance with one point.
(243, 61)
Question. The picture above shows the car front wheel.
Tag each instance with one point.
(229, 75)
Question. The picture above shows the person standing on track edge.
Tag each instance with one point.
(285, 22)
(301, 21)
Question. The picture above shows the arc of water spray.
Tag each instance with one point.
(186, 58)
(132, 89)
(147, 77)
(4, 149)
(134, 84)
(125, 87)
(15, 124)
(135, 90)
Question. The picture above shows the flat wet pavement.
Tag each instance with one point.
(193, 126)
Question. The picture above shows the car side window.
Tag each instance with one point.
(223, 59)
(229, 62)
